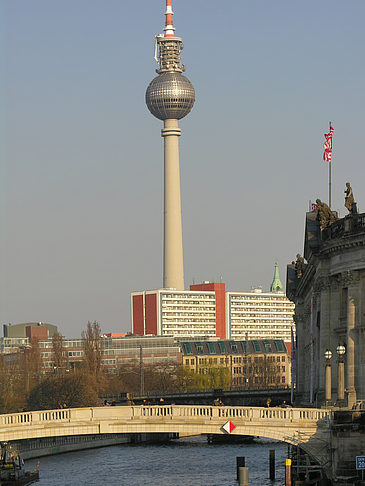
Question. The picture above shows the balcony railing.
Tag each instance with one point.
(348, 225)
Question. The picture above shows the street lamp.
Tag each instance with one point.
(141, 374)
(328, 383)
(341, 350)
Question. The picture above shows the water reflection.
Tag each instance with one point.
(184, 462)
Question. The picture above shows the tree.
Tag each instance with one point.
(59, 353)
(208, 377)
(263, 371)
(92, 347)
(73, 389)
(110, 385)
(12, 393)
(160, 377)
(185, 378)
(130, 376)
(30, 365)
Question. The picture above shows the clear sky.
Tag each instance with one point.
(81, 181)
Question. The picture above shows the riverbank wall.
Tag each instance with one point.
(49, 446)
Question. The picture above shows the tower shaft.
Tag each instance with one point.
(173, 267)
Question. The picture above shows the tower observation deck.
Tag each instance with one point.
(169, 97)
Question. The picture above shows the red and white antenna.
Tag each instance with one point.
(169, 27)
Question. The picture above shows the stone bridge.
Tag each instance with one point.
(307, 428)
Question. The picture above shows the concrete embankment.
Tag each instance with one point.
(49, 446)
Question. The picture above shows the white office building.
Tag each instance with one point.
(208, 310)
(259, 315)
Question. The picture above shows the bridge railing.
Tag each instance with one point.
(30, 418)
(246, 413)
(153, 412)
(16, 418)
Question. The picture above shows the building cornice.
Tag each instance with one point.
(343, 244)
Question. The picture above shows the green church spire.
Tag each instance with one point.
(276, 285)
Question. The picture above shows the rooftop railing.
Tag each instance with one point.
(349, 225)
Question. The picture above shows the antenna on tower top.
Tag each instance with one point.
(169, 27)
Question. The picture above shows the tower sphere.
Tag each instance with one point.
(170, 95)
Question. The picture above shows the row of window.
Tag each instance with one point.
(182, 308)
(285, 323)
(193, 299)
(188, 296)
(237, 360)
(66, 344)
(206, 318)
(258, 380)
(69, 353)
(233, 346)
(258, 369)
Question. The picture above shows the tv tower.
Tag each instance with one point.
(169, 97)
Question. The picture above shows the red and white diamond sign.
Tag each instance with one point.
(229, 427)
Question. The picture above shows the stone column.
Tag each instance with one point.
(350, 347)
(300, 356)
(323, 332)
(328, 394)
(341, 381)
(173, 270)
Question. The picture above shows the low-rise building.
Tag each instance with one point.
(20, 330)
(115, 351)
(258, 363)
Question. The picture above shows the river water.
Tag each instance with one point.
(184, 462)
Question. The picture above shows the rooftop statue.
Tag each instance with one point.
(350, 203)
(299, 266)
(324, 214)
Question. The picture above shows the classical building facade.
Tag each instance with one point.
(328, 288)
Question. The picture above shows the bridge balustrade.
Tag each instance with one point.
(52, 415)
(245, 413)
(152, 412)
(35, 417)
(292, 425)
(252, 414)
(16, 418)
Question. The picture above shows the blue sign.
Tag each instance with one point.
(360, 462)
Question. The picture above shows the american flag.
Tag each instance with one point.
(328, 145)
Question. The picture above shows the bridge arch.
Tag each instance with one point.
(306, 428)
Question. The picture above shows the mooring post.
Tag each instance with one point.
(288, 472)
(272, 464)
(240, 462)
(243, 476)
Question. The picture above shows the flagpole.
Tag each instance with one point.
(330, 179)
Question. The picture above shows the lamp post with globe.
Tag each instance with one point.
(341, 350)
(328, 379)
(169, 97)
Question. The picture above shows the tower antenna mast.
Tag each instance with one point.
(169, 26)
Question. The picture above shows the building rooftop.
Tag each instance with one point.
(264, 346)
